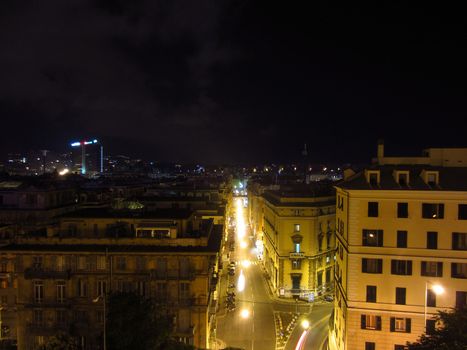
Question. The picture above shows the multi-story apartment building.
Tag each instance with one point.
(31, 202)
(298, 240)
(169, 255)
(401, 235)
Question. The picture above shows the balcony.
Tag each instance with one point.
(49, 303)
(42, 273)
(47, 328)
(297, 255)
(172, 274)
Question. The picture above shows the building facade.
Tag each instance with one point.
(298, 242)
(401, 250)
(170, 256)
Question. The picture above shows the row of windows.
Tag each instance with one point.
(404, 267)
(82, 289)
(396, 324)
(429, 210)
(401, 293)
(101, 262)
(375, 238)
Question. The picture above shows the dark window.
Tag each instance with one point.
(370, 345)
(373, 209)
(462, 212)
(459, 241)
(296, 264)
(399, 347)
(373, 179)
(371, 294)
(372, 238)
(461, 300)
(432, 240)
(430, 326)
(402, 210)
(320, 278)
(372, 265)
(430, 298)
(458, 270)
(296, 282)
(402, 179)
(370, 322)
(401, 267)
(400, 296)
(432, 210)
(401, 239)
(432, 268)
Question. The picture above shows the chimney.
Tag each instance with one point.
(380, 154)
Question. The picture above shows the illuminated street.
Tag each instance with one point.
(254, 322)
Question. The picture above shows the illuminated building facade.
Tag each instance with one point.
(298, 241)
(168, 255)
(401, 249)
(88, 157)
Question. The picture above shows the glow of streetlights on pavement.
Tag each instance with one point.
(243, 244)
(246, 263)
(245, 313)
(241, 282)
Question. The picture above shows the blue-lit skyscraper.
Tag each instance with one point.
(88, 157)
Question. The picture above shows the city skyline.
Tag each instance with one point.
(230, 82)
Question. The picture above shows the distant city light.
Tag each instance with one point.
(64, 171)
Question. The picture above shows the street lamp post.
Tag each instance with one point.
(102, 297)
(437, 289)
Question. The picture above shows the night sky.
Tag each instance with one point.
(232, 81)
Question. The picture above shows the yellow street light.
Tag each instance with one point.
(305, 324)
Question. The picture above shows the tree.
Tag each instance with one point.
(451, 335)
(134, 322)
(61, 341)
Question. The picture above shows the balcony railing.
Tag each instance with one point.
(172, 274)
(296, 255)
(42, 273)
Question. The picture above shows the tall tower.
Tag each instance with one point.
(88, 157)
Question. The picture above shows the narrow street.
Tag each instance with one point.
(259, 320)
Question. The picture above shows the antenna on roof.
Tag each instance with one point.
(305, 166)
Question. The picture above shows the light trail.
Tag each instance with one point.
(301, 341)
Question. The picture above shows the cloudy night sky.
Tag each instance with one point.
(232, 81)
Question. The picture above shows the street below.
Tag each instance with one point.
(259, 320)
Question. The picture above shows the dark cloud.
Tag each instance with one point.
(230, 80)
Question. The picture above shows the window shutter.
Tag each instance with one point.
(423, 268)
(440, 269)
(380, 265)
(409, 267)
(363, 322)
(378, 323)
(393, 266)
(380, 241)
(408, 325)
(455, 238)
(364, 264)
(392, 324)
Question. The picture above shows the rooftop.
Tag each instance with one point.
(450, 179)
